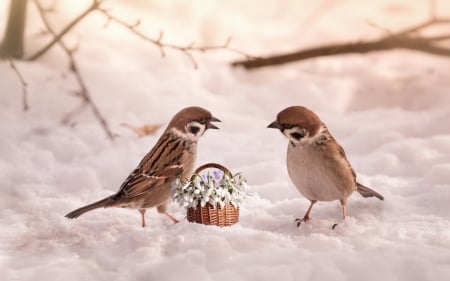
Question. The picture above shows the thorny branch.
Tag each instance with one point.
(83, 92)
(186, 50)
(404, 39)
(23, 83)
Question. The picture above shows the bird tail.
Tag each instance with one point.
(367, 192)
(78, 212)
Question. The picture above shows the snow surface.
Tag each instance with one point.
(390, 111)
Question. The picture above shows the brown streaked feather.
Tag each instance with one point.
(152, 171)
(172, 156)
(330, 149)
(326, 139)
(157, 150)
(341, 153)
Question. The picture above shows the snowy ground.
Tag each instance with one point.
(390, 111)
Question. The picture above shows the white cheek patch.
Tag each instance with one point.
(199, 125)
(288, 132)
(179, 133)
(187, 134)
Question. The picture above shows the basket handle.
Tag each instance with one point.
(212, 165)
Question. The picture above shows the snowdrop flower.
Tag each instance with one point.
(218, 174)
(216, 189)
(203, 202)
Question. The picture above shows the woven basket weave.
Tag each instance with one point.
(209, 215)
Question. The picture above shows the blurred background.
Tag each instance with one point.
(388, 109)
(112, 58)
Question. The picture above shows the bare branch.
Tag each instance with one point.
(227, 42)
(423, 25)
(160, 37)
(71, 114)
(23, 83)
(379, 27)
(83, 93)
(108, 20)
(186, 50)
(58, 37)
(405, 39)
(138, 22)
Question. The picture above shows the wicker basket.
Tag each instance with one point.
(225, 216)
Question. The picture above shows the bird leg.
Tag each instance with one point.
(344, 211)
(162, 209)
(306, 216)
(171, 217)
(142, 211)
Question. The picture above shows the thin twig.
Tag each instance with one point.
(423, 25)
(23, 83)
(186, 50)
(385, 30)
(57, 37)
(83, 92)
(71, 114)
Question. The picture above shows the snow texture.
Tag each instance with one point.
(390, 111)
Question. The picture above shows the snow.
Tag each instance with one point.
(389, 111)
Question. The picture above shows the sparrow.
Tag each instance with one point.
(172, 157)
(316, 163)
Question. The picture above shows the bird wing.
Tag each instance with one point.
(163, 164)
(341, 152)
(330, 147)
(141, 181)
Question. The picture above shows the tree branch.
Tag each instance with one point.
(186, 50)
(423, 25)
(23, 83)
(57, 37)
(83, 93)
(405, 39)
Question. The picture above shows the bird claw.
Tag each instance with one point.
(334, 226)
(299, 221)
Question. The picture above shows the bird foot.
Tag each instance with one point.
(334, 226)
(172, 218)
(299, 221)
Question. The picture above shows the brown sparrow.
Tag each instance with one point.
(173, 156)
(316, 163)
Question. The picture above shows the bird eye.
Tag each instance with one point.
(194, 130)
(297, 135)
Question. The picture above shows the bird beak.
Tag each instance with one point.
(274, 125)
(209, 125)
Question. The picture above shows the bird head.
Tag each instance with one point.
(192, 122)
(298, 124)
